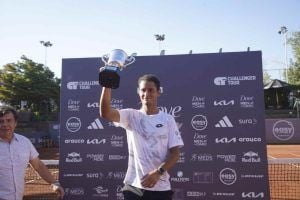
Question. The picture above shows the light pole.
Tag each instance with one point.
(46, 45)
(283, 31)
(159, 38)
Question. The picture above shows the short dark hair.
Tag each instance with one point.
(150, 77)
(8, 109)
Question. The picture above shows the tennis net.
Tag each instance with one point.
(35, 187)
(284, 180)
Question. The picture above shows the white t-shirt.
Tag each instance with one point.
(149, 139)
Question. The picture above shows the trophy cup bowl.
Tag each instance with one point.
(116, 61)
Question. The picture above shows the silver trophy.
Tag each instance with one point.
(116, 61)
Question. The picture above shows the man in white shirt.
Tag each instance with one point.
(153, 142)
(16, 151)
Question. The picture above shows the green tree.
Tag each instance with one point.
(294, 70)
(266, 77)
(31, 82)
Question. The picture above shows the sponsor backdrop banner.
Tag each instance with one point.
(283, 131)
(217, 102)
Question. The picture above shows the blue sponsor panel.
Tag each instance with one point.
(217, 102)
(283, 131)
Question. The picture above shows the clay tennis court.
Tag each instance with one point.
(283, 151)
(284, 176)
(282, 186)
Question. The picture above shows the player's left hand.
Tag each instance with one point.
(150, 179)
(56, 187)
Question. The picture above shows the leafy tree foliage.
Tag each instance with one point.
(31, 82)
(294, 71)
(266, 77)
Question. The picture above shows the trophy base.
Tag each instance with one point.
(109, 79)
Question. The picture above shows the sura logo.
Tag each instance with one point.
(253, 195)
(174, 111)
(251, 121)
(96, 141)
(224, 103)
(95, 175)
(225, 140)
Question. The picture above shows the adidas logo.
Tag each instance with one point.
(96, 125)
(224, 123)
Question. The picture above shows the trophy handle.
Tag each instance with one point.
(105, 58)
(130, 60)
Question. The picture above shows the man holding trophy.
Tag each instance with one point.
(152, 135)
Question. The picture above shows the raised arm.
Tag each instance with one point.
(105, 109)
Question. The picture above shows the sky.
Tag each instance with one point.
(92, 28)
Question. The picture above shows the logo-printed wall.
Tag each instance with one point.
(217, 102)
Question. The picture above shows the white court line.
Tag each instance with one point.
(271, 157)
(293, 154)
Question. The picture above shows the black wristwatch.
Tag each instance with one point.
(161, 170)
